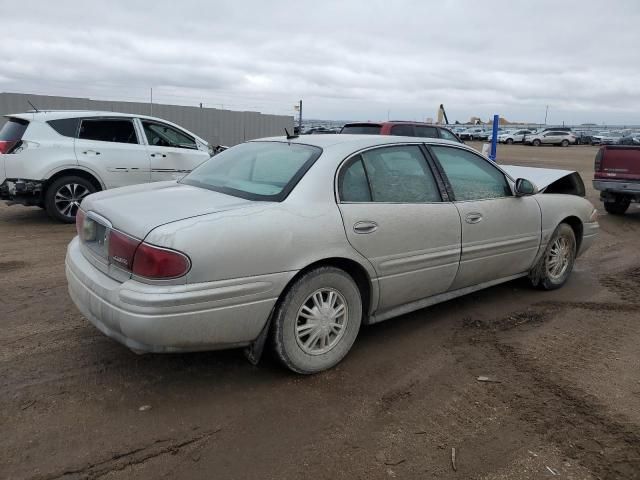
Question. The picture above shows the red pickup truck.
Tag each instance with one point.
(617, 176)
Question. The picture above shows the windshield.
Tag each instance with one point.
(255, 170)
(361, 129)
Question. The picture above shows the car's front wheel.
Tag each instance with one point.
(536, 143)
(317, 320)
(63, 196)
(509, 141)
(555, 266)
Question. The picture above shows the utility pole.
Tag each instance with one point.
(151, 102)
(300, 116)
(545, 114)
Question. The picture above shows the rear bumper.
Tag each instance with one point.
(22, 191)
(172, 318)
(617, 186)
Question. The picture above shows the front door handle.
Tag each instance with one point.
(87, 152)
(365, 226)
(159, 155)
(473, 218)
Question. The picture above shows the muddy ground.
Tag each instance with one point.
(564, 401)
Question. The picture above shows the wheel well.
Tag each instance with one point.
(78, 173)
(353, 268)
(576, 224)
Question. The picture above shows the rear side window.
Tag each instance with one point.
(428, 132)
(402, 130)
(13, 130)
(108, 130)
(470, 176)
(389, 175)
(365, 129)
(67, 127)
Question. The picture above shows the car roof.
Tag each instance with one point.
(45, 115)
(394, 122)
(355, 141)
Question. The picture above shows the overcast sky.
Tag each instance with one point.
(350, 59)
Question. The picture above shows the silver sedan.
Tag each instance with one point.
(300, 241)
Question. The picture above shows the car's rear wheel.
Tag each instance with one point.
(618, 206)
(63, 196)
(555, 266)
(536, 143)
(510, 141)
(564, 143)
(317, 320)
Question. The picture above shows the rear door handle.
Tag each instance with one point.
(163, 155)
(473, 218)
(365, 226)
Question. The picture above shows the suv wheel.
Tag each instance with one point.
(536, 143)
(564, 143)
(509, 141)
(317, 321)
(62, 198)
(619, 206)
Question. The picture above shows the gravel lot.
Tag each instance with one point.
(565, 401)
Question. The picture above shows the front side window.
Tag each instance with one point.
(108, 130)
(390, 175)
(447, 135)
(402, 130)
(471, 177)
(255, 170)
(161, 135)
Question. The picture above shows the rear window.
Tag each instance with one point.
(255, 170)
(107, 130)
(67, 127)
(366, 129)
(13, 130)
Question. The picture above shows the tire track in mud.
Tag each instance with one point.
(135, 456)
(574, 420)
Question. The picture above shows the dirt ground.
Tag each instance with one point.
(564, 400)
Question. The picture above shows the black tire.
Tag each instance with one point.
(73, 189)
(619, 206)
(509, 141)
(564, 143)
(536, 143)
(290, 345)
(542, 275)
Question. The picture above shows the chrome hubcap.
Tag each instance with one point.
(321, 321)
(559, 258)
(68, 198)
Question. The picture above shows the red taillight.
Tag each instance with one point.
(122, 249)
(6, 145)
(79, 222)
(156, 262)
(598, 162)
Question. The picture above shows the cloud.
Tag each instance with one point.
(347, 60)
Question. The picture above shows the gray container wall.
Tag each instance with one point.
(219, 127)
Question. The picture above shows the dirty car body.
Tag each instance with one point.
(389, 224)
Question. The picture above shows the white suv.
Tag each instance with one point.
(54, 159)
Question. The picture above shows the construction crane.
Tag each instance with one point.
(442, 115)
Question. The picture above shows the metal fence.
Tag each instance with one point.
(217, 126)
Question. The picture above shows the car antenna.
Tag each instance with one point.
(33, 106)
(289, 136)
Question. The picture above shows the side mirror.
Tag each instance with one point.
(524, 187)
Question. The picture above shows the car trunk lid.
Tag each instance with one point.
(138, 209)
